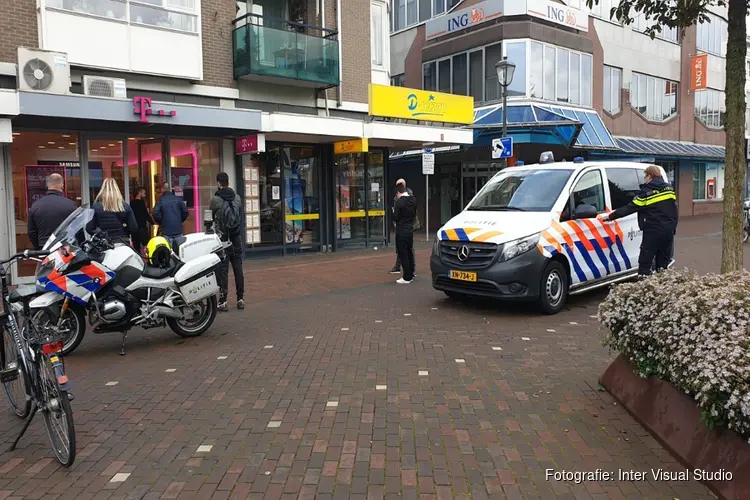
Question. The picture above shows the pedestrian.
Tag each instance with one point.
(397, 268)
(656, 205)
(404, 212)
(226, 207)
(113, 215)
(143, 218)
(48, 212)
(170, 212)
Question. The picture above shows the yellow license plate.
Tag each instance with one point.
(463, 276)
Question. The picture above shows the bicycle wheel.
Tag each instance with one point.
(58, 416)
(15, 387)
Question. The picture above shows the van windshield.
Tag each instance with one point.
(522, 190)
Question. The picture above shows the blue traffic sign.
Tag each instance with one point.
(502, 147)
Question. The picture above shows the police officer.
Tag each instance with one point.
(656, 205)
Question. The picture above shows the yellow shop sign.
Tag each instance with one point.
(353, 146)
(413, 104)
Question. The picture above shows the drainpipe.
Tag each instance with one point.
(341, 58)
(322, 7)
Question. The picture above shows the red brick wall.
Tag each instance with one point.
(217, 17)
(18, 27)
(355, 37)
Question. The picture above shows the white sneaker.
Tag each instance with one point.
(402, 281)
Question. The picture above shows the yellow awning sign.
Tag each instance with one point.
(413, 104)
(352, 146)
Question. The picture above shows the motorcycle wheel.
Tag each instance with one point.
(76, 326)
(203, 321)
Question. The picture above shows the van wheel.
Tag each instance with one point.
(554, 288)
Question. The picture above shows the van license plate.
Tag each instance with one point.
(463, 276)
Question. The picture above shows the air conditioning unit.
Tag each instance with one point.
(101, 86)
(43, 71)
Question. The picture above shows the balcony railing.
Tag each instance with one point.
(271, 49)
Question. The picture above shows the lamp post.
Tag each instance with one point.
(505, 70)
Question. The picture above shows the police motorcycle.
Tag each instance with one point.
(85, 274)
(745, 221)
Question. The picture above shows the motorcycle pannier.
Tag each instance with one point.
(197, 278)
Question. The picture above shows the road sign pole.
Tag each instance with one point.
(427, 208)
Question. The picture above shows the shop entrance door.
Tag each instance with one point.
(151, 171)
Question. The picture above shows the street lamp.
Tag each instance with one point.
(505, 70)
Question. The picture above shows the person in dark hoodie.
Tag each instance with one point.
(49, 211)
(170, 213)
(656, 205)
(404, 212)
(397, 268)
(142, 217)
(226, 207)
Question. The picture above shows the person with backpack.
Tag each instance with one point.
(226, 207)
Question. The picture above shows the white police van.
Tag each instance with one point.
(532, 233)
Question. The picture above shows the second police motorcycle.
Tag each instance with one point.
(87, 277)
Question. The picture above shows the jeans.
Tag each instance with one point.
(656, 246)
(173, 242)
(405, 250)
(413, 259)
(233, 256)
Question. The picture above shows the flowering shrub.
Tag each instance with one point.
(692, 331)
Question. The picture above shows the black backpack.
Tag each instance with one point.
(231, 217)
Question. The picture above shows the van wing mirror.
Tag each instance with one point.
(586, 212)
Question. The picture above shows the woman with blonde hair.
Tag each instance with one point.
(113, 215)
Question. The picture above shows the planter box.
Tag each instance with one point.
(673, 418)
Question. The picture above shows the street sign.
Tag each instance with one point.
(428, 163)
(502, 148)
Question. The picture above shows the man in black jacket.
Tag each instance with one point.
(225, 195)
(397, 268)
(404, 211)
(142, 217)
(170, 212)
(48, 212)
(656, 205)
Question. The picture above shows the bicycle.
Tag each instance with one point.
(33, 361)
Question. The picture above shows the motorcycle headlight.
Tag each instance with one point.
(436, 247)
(517, 247)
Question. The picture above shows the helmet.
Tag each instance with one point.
(158, 252)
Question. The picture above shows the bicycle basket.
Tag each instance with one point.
(40, 335)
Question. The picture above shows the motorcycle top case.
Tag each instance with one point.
(197, 245)
(197, 278)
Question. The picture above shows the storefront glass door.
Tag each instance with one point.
(376, 199)
(104, 158)
(150, 170)
(301, 197)
(351, 195)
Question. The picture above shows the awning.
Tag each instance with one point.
(419, 152)
(655, 147)
(534, 122)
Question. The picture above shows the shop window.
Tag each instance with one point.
(301, 195)
(265, 217)
(654, 98)
(350, 195)
(624, 185)
(708, 181)
(612, 86)
(105, 159)
(398, 80)
(711, 36)
(710, 107)
(670, 167)
(35, 156)
(194, 166)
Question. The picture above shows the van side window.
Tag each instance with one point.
(589, 191)
(624, 185)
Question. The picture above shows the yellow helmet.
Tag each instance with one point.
(158, 252)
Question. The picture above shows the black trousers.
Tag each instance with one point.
(234, 256)
(140, 239)
(405, 251)
(413, 259)
(655, 246)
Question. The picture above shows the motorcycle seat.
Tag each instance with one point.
(24, 293)
(159, 273)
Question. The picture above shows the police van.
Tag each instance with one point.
(532, 233)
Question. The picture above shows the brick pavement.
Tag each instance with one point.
(339, 384)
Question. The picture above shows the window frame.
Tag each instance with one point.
(710, 97)
(615, 90)
(715, 31)
(648, 85)
(379, 6)
(394, 4)
(630, 193)
(569, 204)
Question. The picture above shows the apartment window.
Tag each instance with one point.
(377, 33)
(172, 14)
(406, 13)
(654, 98)
(398, 81)
(708, 181)
(459, 74)
(710, 107)
(444, 76)
(712, 36)
(516, 53)
(429, 76)
(438, 7)
(603, 8)
(612, 86)
(492, 54)
(476, 70)
(558, 74)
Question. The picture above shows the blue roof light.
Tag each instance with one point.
(578, 159)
